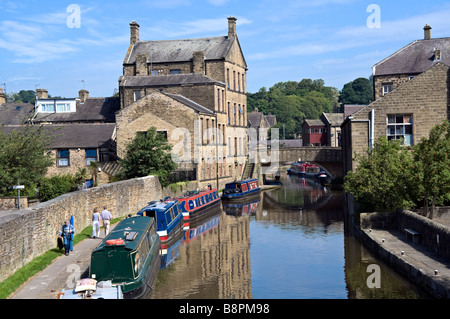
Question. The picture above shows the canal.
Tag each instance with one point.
(290, 243)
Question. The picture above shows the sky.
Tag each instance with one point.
(65, 46)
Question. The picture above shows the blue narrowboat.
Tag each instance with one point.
(241, 189)
(194, 203)
(128, 257)
(242, 209)
(168, 218)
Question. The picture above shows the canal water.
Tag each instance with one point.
(290, 243)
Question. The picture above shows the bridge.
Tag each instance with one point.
(328, 158)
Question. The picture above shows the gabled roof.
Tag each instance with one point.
(193, 105)
(167, 80)
(350, 109)
(255, 118)
(271, 119)
(334, 119)
(311, 122)
(415, 58)
(215, 48)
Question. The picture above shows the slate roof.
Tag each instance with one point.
(92, 110)
(167, 80)
(352, 108)
(311, 122)
(180, 50)
(271, 119)
(334, 119)
(415, 58)
(193, 105)
(74, 135)
(254, 118)
(15, 113)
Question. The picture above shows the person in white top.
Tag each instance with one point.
(95, 223)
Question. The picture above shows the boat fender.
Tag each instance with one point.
(111, 242)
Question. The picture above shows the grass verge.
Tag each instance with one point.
(12, 283)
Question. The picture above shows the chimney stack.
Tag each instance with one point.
(199, 62)
(83, 95)
(427, 32)
(141, 64)
(41, 94)
(231, 27)
(2, 96)
(134, 32)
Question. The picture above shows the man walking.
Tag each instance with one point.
(66, 234)
(106, 217)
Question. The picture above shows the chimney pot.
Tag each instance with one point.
(134, 32)
(427, 32)
(231, 27)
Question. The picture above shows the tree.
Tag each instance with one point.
(148, 154)
(432, 167)
(359, 91)
(383, 179)
(24, 159)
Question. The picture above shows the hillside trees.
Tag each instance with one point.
(292, 102)
(358, 91)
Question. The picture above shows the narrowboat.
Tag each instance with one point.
(89, 288)
(241, 189)
(129, 257)
(194, 203)
(168, 218)
(304, 169)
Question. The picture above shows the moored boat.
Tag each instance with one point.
(168, 218)
(304, 169)
(194, 203)
(129, 257)
(89, 288)
(241, 189)
(241, 209)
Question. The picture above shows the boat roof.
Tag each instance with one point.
(135, 227)
(242, 181)
(160, 205)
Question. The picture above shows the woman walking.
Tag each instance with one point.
(95, 223)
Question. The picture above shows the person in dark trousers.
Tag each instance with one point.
(66, 234)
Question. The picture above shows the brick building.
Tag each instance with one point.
(194, 92)
(314, 133)
(411, 90)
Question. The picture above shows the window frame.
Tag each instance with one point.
(400, 126)
(60, 158)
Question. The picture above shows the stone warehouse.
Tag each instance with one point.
(411, 90)
(194, 92)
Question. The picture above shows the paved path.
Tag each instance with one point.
(417, 262)
(62, 273)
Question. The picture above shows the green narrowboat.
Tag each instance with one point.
(129, 257)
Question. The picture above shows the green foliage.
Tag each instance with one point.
(57, 185)
(292, 102)
(383, 179)
(148, 154)
(432, 166)
(23, 159)
(359, 91)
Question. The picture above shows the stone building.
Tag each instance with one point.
(81, 129)
(411, 96)
(195, 86)
(333, 123)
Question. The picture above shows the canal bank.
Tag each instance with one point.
(414, 258)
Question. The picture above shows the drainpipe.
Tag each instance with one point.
(372, 128)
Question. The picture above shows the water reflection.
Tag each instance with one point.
(289, 243)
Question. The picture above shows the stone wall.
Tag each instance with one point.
(433, 234)
(25, 234)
